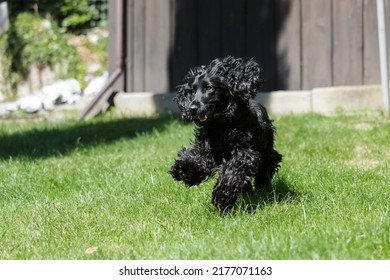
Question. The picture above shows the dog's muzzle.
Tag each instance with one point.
(199, 112)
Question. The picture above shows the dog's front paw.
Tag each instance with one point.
(223, 198)
(187, 172)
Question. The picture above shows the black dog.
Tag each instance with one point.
(234, 134)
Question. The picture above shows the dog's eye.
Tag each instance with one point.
(208, 88)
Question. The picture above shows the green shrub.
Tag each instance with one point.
(73, 15)
(76, 14)
(32, 40)
(99, 49)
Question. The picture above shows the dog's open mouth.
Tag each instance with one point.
(205, 116)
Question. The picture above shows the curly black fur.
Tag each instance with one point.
(234, 135)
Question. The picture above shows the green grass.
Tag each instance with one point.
(100, 190)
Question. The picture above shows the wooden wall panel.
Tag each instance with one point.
(260, 41)
(129, 36)
(316, 43)
(233, 27)
(157, 45)
(371, 71)
(209, 30)
(113, 49)
(288, 44)
(138, 37)
(112, 35)
(184, 48)
(347, 42)
(300, 44)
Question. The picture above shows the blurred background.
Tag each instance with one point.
(149, 45)
(44, 41)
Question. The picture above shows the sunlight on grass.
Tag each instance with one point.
(100, 190)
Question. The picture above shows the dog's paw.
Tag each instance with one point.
(187, 172)
(223, 199)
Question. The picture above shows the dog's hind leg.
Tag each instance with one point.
(235, 178)
(267, 169)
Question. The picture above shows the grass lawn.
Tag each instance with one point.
(100, 190)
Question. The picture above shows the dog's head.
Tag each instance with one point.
(214, 92)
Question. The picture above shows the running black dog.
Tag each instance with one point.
(234, 135)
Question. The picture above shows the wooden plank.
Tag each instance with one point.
(371, 70)
(138, 46)
(209, 30)
(184, 53)
(128, 37)
(115, 50)
(112, 36)
(260, 40)
(387, 22)
(116, 81)
(233, 28)
(347, 42)
(157, 45)
(316, 43)
(288, 45)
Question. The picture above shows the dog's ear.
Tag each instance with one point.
(251, 80)
(242, 77)
(184, 90)
(182, 97)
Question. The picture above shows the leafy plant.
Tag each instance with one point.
(32, 40)
(76, 14)
(70, 14)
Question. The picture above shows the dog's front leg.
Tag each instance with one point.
(195, 164)
(235, 177)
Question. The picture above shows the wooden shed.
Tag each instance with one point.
(300, 44)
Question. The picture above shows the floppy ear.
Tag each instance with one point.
(243, 78)
(184, 91)
(251, 80)
(182, 97)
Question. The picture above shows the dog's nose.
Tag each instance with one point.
(194, 107)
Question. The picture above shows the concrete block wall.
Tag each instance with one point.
(327, 101)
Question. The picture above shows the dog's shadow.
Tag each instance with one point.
(279, 191)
